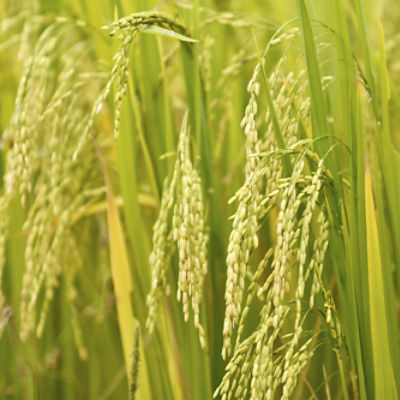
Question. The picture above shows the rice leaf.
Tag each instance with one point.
(157, 30)
(385, 386)
(123, 287)
(319, 121)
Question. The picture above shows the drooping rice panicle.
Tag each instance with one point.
(184, 195)
(271, 369)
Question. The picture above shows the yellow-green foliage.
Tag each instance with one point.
(199, 199)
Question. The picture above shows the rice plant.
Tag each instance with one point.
(199, 199)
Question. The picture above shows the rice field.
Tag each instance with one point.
(199, 199)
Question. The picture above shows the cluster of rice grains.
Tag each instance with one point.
(51, 163)
(52, 169)
(54, 188)
(288, 276)
(125, 29)
(186, 227)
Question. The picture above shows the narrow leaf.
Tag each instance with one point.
(384, 377)
(157, 30)
(123, 287)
